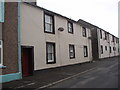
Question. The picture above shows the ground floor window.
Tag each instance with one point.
(110, 50)
(71, 51)
(50, 52)
(101, 49)
(106, 48)
(1, 53)
(85, 51)
(114, 48)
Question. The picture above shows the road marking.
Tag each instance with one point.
(51, 84)
(24, 85)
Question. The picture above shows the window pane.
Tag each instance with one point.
(50, 48)
(70, 29)
(71, 49)
(50, 56)
(48, 27)
(47, 19)
(72, 54)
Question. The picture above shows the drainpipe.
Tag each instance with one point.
(19, 45)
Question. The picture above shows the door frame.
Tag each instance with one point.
(31, 63)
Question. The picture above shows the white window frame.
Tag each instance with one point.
(49, 23)
(85, 51)
(1, 46)
(70, 27)
(52, 52)
(84, 32)
(71, 51)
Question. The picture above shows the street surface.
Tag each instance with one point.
(103, 76)
(99, 74)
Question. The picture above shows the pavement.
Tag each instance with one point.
(58, 77)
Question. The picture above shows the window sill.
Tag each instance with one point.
(72, 57)
(2, 67)
(51, 62)
(49, 32)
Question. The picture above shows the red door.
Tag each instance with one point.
(25, 63)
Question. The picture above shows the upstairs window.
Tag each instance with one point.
(105, 35)
(70, 27)
(49, 23)
(85, 51)
(1, 53)
(117, 40)
(101, 34)
(113, 39)
(84, 32)
(72, 51)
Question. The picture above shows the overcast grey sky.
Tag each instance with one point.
(102, 13)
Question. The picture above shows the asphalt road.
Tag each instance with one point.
(99, 74)
(105, 75)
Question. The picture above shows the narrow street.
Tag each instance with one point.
(99, 74)
(103, 76)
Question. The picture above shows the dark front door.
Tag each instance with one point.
(27, 61)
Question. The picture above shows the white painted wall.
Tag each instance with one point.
(107, 43)
(32, 34)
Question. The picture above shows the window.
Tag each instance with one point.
(72, 51)
(50, 53)
(114, 48)
(117, 40)
(1, 53)
(105, 35)
(101, 34)
(85, 51)
(84, 32)
(101, 49)
(49, 24)
(70, 27)
(110, 50)
(106, 48)
(113, 39)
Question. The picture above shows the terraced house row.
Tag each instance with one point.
(33, 38)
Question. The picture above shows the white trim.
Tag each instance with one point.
(1, 46)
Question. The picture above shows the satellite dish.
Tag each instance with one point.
(61, 29)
